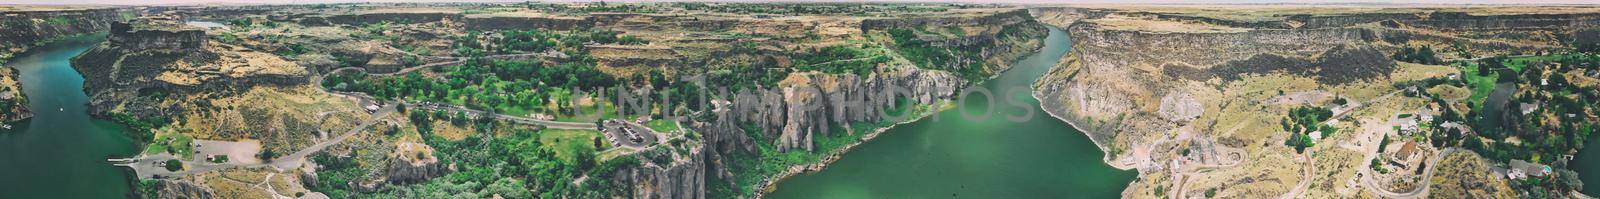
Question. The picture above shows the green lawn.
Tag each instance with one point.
(587, 114)
(664, 126)
(166, 140)
(1481, 85)
(567, 144)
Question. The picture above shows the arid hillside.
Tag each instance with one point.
(1224, 100)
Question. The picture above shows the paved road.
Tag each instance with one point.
(1422, 188)
(294, 160)
(148, 166)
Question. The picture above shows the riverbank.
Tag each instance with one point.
(769, 184)
(61, 151)
(953, 154)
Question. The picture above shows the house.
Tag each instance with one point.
(1527, 107)
(1521, 169)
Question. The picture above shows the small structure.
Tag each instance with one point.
(1523, 169)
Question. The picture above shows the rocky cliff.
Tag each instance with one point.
(155, 57)
(1116, 80)
(682, 177)
(1148, 85)
(487, 22)
(413, 163)
(1111, 85)
(20, 30)
(805, 105)
(170, 189)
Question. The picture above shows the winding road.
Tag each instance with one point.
(512, 118)
(1422, 188)
(148, 166)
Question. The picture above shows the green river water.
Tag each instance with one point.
(950, 157)
(61, 152)
(1587, 164)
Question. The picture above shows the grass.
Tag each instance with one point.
(1481, 85)
(664, 126)
(567, 144)
(586, 114)
(168, 140)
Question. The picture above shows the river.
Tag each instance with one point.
(61, 152)
(995, 158)
(1587, 164)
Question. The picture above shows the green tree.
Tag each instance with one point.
(174, 165)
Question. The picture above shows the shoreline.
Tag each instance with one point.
(944, 105)
(770, 183)
(1106, 158)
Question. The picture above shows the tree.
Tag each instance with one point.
(459, 119)
(174, 165)
(266, 155)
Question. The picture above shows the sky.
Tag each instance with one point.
(172, 2)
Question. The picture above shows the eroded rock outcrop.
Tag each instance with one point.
(683, 177)
(158, 56)
(413, 163)
(20, 30)
(1122, 86)
(170, 189)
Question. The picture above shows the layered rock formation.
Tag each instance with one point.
(159, 55)
(684, 177)
(1111, 84)
(182, 189)
(805, 105)
(994, 38)
(20, 30)
(1143, 90)
(413, 163)
(487, 22)
(23, 29)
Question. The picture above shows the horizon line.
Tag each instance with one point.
(1002, 2)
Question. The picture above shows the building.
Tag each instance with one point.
(1522, 169)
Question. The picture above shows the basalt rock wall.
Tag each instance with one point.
(21, 30)
(495, 22)
(1110, 84)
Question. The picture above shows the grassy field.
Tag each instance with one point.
(567, 144)
(168, 140)
(1480, 85)
(663, 126)
(586, 113)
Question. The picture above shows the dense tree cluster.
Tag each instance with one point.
(841, 59)
(1422, 55)
(518, 165)
(1303, 121)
